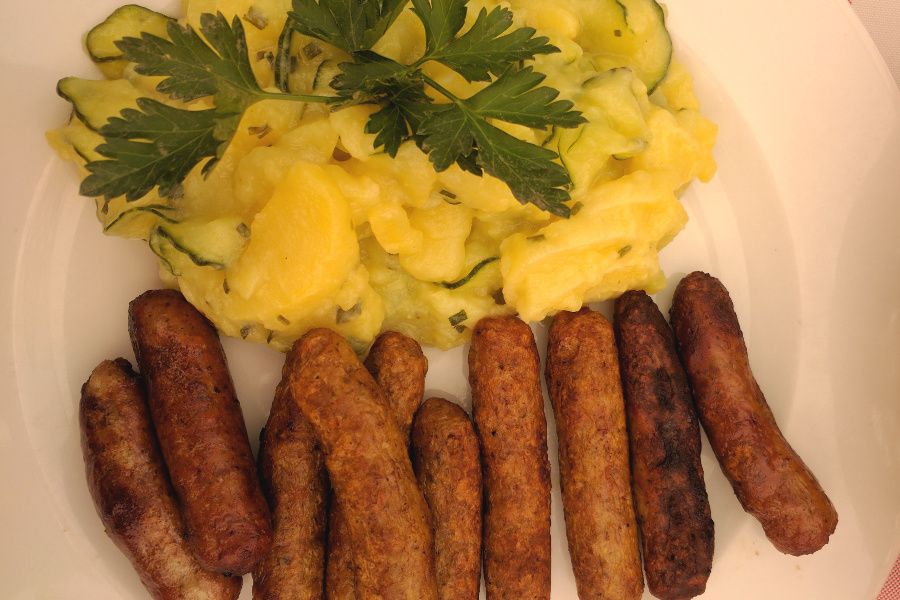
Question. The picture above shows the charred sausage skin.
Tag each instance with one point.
(368, 466)
(508, 410)
(446, 461)
(664, 438)
(201, 431)
(585, 390)
(769, 478)
(130, 488)
(292, 472)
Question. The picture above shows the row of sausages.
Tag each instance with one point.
(335, 459)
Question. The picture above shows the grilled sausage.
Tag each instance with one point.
(770, 480)
(340, 568)
(664, 435)
(447, 465)
(201, 431)
(292, 471)
(130, 488)
(586, 393)
(368, 466)
(398, 366)
(508, 407)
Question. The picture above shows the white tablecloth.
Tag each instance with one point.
(882, 19)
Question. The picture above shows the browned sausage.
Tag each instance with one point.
(447, 464)
(398, 366)
(368, 466)
(508, 407)
(201, 431)
(340, 568)
(292, 471)
(770, 480)
(128, 482)
(586, 393)
(670, 495)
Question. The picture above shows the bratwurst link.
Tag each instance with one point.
(201, 431)
(292, 471)
(508, 407)
(664, 438)
(368, 466)
(770, 480)
(586, 393)
(398, 366)
(128, 482)
(446, 461)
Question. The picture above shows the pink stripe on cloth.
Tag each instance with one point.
(891, 589)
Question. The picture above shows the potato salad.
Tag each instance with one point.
(305, 221)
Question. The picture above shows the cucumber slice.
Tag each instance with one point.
(79, 138)
(631, 33)
(136, 222)
(213, 244)
(96, 101)
(126, 21)
(616, 126)
(325, 73)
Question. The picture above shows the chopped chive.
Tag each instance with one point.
(260, 131)
(458, 318)
(256, 17)
(452, 285)
(624, 250)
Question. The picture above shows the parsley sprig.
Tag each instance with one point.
(158, 145)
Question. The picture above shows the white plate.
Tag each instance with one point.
(800, 223)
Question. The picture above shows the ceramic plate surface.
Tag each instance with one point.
(800, 222)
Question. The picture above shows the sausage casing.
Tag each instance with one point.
(398, 366)
(448, 467)
(769, 478)
(292, 472)
(508, 409)
(368, 466)
(664, 434)
(586, 393)
(130, 488)
(201, 431)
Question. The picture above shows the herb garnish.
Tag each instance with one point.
(158, 144)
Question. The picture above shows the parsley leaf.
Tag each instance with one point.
(194, 69)
(158, 144)
(458, 133)
(375, 79)
(516, 98)
(351, 25)
(155, 145)
(442, 20)
(484, 50)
